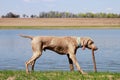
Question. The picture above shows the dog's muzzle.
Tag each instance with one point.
(94, 48)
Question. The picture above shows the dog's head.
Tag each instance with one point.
(87, 42)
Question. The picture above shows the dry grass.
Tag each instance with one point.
(60, 22)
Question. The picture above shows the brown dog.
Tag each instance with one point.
(61, 45)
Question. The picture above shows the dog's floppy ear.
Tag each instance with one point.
(84, 43)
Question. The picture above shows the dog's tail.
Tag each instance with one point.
(26, 36)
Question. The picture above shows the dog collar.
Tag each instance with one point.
(78, 41)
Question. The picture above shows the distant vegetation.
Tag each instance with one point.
(10, 15)
(56, 14)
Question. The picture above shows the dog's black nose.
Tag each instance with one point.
(95, 48)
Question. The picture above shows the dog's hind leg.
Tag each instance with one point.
(33, 64)
(32, 60)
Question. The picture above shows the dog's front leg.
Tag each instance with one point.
(73, 58)
(70, 63)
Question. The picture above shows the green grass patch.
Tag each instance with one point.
(57, 75)
(61, 27)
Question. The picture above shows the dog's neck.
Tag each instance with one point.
(79, 42)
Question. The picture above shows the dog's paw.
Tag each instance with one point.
(84, 73)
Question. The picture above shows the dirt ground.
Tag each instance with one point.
(60, 22)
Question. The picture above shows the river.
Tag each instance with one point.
(15, 50)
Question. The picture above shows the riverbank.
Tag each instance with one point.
(60, 27)
(57, 75)
(59, 23)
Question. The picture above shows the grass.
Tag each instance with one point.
(57, 75)
(61, 27)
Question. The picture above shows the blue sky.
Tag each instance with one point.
(75, 6)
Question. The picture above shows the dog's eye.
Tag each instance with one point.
(91, 42)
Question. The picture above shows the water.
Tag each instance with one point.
(15, 51)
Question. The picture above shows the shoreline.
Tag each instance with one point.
(59, 27)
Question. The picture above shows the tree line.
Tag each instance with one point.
(10, 15)
(56, 14)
